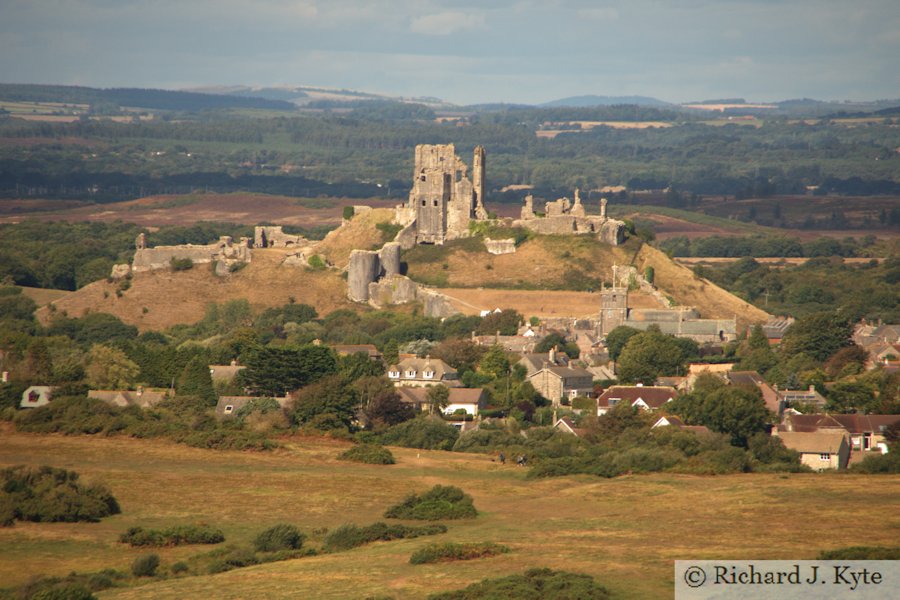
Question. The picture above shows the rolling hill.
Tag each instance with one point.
(573, 266)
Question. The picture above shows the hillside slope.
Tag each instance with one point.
(573, 266)
(181, 297)
(689, 290)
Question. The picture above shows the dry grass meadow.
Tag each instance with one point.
(626, 531)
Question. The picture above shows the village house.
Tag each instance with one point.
(143, 398)
(643, 397)
(535, 361)
(350, 349)
(225, 374)
(802, 398)
(819, 450)
(752, 379)
(678, 423)
(419, 372)
(471, 400)
(558, 383)
(36, 395)
(566, 425)
(228, 406)
(775, 328)
(865, 432)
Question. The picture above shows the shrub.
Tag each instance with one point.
(145, 566)
(316, 263)
(64, 592)
(371, 454)
(536, 584)
(351, 536)
(50, 495)
(440, 502)
(452, 551)
(181, 264)
(428, 433)
(173, 536)
(279, 537)
(179, 567)
(879, 463)
(861, 553)
(347, 212)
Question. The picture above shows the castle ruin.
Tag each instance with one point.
(225, 253)
(562, 216)
(271, 236)
(443, 199)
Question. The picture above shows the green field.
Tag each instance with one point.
(625, 532)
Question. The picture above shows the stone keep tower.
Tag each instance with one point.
(613, 305)
(443, 198)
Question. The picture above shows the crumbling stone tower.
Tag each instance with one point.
(443, 198)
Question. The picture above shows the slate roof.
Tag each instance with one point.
(142, 398)
(652, 395)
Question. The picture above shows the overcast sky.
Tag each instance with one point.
(465, 51)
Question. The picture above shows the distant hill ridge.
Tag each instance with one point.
(594, 100)
(134, 97)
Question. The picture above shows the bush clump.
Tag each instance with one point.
(279, 537)
(440, 502)
(535, 584)
(452, 551)
(371, 454)
(173, 536)
(350, 536)
(145, 566)
(50, 495)
(426, 433)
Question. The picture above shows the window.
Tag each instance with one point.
(825, 456)
(613, 401)
(428, 374)
(33, 396)
(229, 408)
(435, 202)
(411, 373)
(394, 374)
(423, 202)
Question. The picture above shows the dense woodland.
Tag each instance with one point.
(345, 152)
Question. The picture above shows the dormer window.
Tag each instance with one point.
(394, 374)
(411, 373)
(613, 401)
(428, 374)
(229, 408)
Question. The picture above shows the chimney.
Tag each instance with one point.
(233, 362)
(140, 390)
(812, 388)
(552, 355)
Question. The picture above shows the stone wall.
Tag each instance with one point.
(507, 246)
(225, 251)
(363, 269)
(562, 217)
(271, 236)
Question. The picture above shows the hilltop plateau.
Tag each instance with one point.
(572, 266)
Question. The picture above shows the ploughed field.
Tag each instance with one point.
(625, 532)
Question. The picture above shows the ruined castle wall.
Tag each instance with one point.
(362, 270)
(147, 259)
(507, 246)
(407, 236)
(612, 232)
(271, 236)
(436, 304)
(389, 257)
(394, 289)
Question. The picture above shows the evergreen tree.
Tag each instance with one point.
(196, 380)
